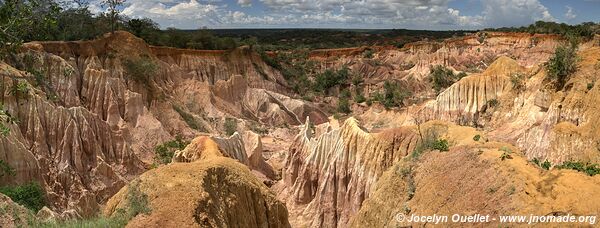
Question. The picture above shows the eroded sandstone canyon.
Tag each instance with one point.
(86, 129)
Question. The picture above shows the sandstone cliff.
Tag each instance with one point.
(327, 177)
(472, 178)
(85, 126)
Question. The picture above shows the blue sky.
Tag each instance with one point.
(411, 14)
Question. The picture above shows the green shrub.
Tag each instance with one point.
(431, 141)
(6, 169)
(505, 155)
(137, 200)
(587, 168)
(441, 145)
(31, 195)
(230, 126)
(442, 77)
(344, 105)
(393, 96)
(476, 138)
(590, 86)
(329, 78)
(141, 70)
(164, 153)
(562, 64)
(368, 54)
(544, 165)
(189, 119)
(359, 98)
(20, 88)
(4, 130)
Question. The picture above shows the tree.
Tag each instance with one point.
(562, 64)
(113, 11)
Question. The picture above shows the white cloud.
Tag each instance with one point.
(245, 3)
(413, 14)
(498, 13)
(570, 14)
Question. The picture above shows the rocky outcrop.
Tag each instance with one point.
(466, 99)
(85, 125)
(411, 64)
(13, 215)
(473, 179)
(246, 148)
(212, 191)
(327, 177)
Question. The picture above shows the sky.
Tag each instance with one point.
(358, 14)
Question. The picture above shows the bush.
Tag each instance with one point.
(359, 98)
(442, 77)
(544, 165)
(368, 54)
(189, 119)
(394, 95)
(476, 138)
(431, 141)
(141, 70)
(441, 145)
(230, 126)
(344, 105)
(31, 195)
(163, 153)
(562, 64)
(587, 168)
(5, 169)
(330, 78)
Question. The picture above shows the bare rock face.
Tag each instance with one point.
(466, 99)
(548, 124)
(474, 179)
(246, 148)
(212, 191)
(85, 127)
(329, 176)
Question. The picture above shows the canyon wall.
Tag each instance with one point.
(327, 177)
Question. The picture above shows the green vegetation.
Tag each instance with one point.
(393, 96)
(562, 64)
(506, 153)
(442, 77)
(136, 203)
(368, 54)
(141, 70)
(5, 169)
(431, 141)
(164, 153)
(441, 145)
(330, 79)
(4, 130)
(258, 128)
(230, 126)
(584, 31)
(544, 165)
(189, 119)
(476, 138)
(31, 195)
(587, 168)
(359, 98)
